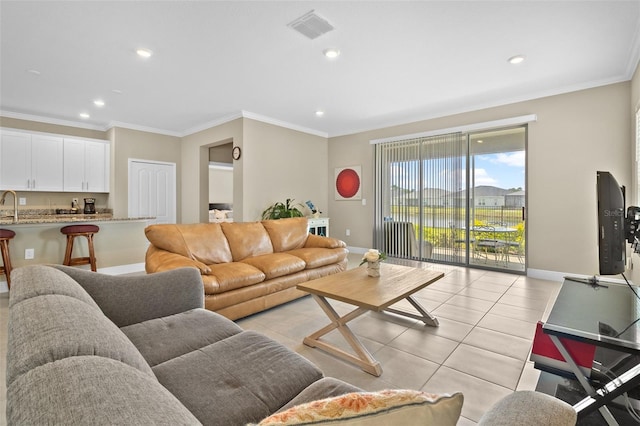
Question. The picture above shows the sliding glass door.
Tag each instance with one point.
(455, 199)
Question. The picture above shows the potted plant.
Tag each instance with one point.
(281, 210)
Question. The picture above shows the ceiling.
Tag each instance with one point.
(401, 61)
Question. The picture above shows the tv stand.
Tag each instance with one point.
(593, 281)
(606, 318)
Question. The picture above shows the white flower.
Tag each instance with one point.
(372, 255)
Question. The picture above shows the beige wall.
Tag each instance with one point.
(195, 160)
(134, 144)
(281, 163)
(276, 164)
(36, 126)
(575, 135)
(220, 186)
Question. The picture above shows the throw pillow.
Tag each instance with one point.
(394, 407)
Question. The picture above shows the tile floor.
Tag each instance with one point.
(481, 348)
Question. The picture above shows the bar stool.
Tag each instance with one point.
(5, 236)
(73, 231)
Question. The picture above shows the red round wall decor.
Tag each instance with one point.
(347, 183)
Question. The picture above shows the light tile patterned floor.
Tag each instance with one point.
(481, 348)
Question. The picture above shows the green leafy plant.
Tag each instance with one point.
(281, 210)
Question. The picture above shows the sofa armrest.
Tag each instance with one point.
(317, 241)
(131, 299)
(529, 408)
(158, 260)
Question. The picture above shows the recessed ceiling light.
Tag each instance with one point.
(84, 115)
(98, 103)
(479, 141)
(331, 52)
(116, 91)
(144, 53)
(34, 72)
(319, 113)
(516, 59)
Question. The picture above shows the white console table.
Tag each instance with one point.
(319, 226)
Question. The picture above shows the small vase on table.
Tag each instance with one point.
(373, 268)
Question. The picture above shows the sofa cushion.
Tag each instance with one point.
(130, 299)
(162, 339)
(238, 380)
(529, 408)
(287, 234)
(387, 407)
(92, 390)
(316, 257)
(46, 280)
(48, 328)
(247, 239)
(326, 387)
(230, 276)
(276, 265)
(203, 242)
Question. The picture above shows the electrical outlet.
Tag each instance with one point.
(29, 253)
(348, 232)
(22, 201)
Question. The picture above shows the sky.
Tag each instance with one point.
(502, 170)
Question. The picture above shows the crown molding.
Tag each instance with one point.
(129, 126)
(49, 120)
(213, 123)
(269, 120)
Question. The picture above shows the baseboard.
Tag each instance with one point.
(123, 269)
(357, 250)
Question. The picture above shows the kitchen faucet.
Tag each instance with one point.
(15, 203)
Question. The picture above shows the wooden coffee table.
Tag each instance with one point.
(355, 287)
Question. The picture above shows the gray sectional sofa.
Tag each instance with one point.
(87, 348)
(91, 349)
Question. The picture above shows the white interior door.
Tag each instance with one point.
(152, 190)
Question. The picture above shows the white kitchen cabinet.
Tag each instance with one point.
(30, 162)
(86, 166)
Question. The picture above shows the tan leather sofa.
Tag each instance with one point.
(246, 267)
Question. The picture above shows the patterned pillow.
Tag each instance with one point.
(393, 407)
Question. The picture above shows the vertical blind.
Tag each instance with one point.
(420, 195)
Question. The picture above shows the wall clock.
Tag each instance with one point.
(236, 153)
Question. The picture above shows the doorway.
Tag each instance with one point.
(457, 199)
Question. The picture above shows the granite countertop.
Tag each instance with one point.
(38, 218)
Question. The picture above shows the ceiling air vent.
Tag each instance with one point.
(311, 25)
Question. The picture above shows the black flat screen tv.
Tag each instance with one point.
(611, 225)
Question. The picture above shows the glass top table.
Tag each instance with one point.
(605, 314)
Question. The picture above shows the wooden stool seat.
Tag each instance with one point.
(5, 236)
(72, 231)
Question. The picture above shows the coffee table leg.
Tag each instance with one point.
(364, 359)
(424, 316)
